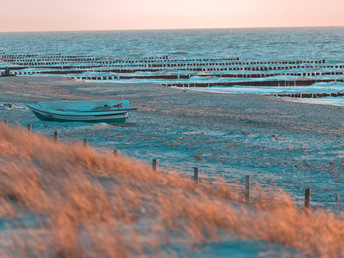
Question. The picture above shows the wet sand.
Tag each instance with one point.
(243, 110)
(287, 144)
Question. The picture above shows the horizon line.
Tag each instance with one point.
(174, 29)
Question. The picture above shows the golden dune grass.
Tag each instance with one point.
(94, 204)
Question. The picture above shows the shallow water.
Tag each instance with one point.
(249, 45)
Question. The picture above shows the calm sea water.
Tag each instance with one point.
(248, 44)
(274, 44)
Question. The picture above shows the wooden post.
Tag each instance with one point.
(307, 198)
(196, 175)
(85, 142)
(56, 136)
(154, 164)
(5, 122)
(115, 152)
(29, 127)
(338, 200)
(247, 188)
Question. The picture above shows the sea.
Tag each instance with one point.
(289, 54)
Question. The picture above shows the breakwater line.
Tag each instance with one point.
(185, 73)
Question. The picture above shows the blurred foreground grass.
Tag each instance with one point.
(65, 200)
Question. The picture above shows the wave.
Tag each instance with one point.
(179, 53)
(136, 54)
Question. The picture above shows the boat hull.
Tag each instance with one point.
(111, 119)
(44, 112)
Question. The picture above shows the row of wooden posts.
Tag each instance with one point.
(310, 95)
(46, 57)
(179, 67)
(247, 185)
(11, 58)
(82, 69)
(188, 76)
(240, 65)
(170, 64)
(62, 59)
(56, 134)
(172, 76)
(186, 67)
(67, 70)
(278, 83)
(196, 171)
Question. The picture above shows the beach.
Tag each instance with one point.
(277, 142)
(66, 199)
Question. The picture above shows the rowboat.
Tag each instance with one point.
(108, 111)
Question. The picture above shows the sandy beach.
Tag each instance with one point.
(65, 199)
(279, 143)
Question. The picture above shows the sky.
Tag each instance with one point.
(80, 15)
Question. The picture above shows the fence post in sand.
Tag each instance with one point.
(85, 142)
(56, 136)
(29, 128)
(338, 200)
(196, 175)
(154, 164)
(115, 153)
(5, 122)
(307, 198)
(247, 188)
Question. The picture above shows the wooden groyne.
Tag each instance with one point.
(254, 83)
(219, 66)
(209, 71)
(233, 71)
(72, 70)
(188, 76)
(310, 95)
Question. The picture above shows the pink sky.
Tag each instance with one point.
(64, 15)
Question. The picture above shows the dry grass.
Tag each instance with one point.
(65, 200)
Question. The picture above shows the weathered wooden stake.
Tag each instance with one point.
(196, 175)
(56, 136)
(307, 198)
(6, 122)
(29, 127)
(154, 164)
(85, 142)
(247, 188)
(338, 200)
(115, 152)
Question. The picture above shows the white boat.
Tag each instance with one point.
(107, 111)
